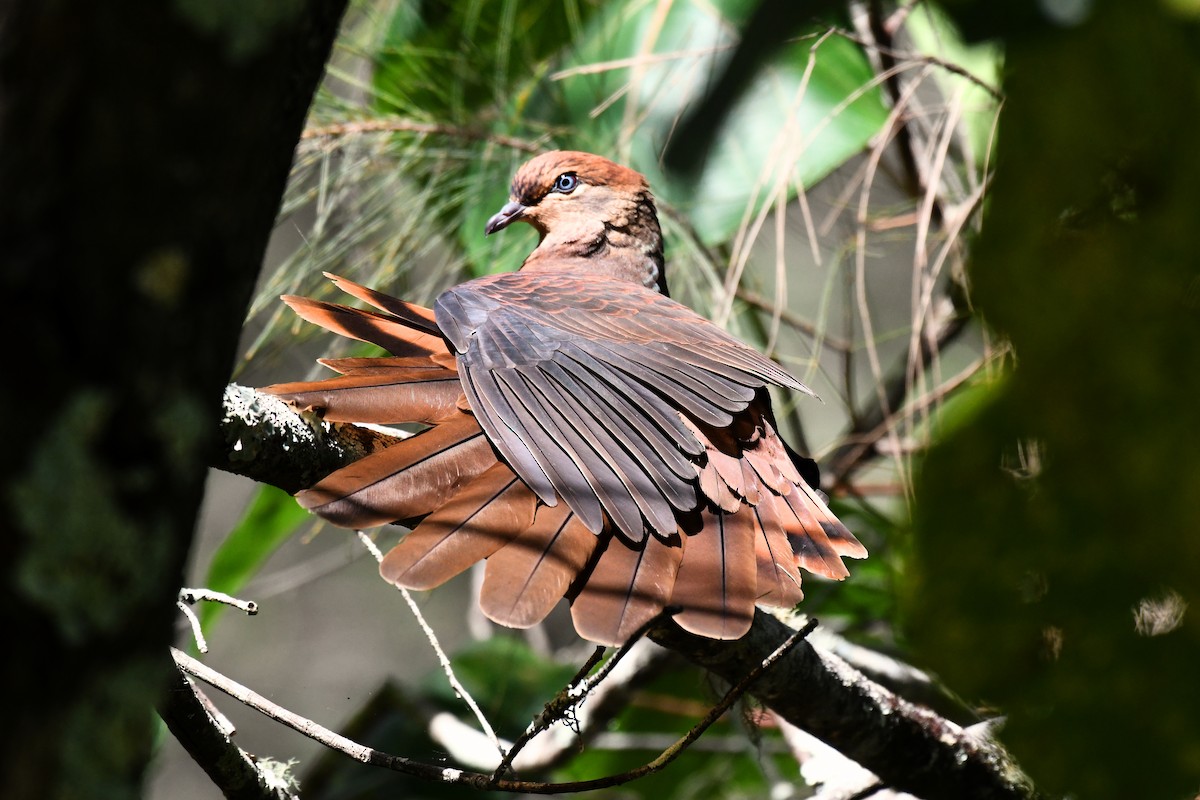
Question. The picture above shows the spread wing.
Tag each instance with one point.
(579, 382)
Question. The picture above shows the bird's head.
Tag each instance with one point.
(591, 213)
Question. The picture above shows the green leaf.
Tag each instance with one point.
(784, 130)
(271, 518)
(430, 62)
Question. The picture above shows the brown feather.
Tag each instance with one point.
(623, 412)
(380, 395)
(843, 541)
(347, 365)
(414, 316)
(717, 580)
(367, 326)
(530, 574)
(627, 586)
(778, 578)
(405, 481)
(715, 489)
(814, 551)
(482, 517)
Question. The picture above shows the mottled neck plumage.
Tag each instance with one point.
(624, 243)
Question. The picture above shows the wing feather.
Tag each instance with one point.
(680, 394)
(647, 443)
(599, 472)
(650, 407)
(568, 476)
(587, 429)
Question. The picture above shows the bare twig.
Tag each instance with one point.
(194, 621)
(193, 596)
(793, 320)
(578, 689)
(412, 126)
(475, 780)
(443, 659)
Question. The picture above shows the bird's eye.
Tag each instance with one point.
(566, 183)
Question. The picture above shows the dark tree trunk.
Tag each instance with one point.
(143, 150)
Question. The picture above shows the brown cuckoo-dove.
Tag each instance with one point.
(588, 436)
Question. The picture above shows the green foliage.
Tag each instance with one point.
(510, 681)
(473, 89)
(1057, 528)
(788, 128)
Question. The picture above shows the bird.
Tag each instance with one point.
(586, 436)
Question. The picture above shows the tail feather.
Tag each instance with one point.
(759, 517)
(778, 578)
(345, 366)
(717, 580)
(526, 578)
(842, 540)
(813, 548)
(486, 514)
(628, 585)
(407, 480)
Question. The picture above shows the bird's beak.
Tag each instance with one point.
(506, 216)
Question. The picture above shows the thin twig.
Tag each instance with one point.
(920, 58)
(192, 619)
(192, 596)
(874, 424)
(475, 780)
(893, 126)
(578, 689)
(793, 320)
(357, 127)
(558, 708)
(443, 659)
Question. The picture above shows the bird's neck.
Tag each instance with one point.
(627, 246)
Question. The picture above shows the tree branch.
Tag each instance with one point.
(231, 768)
(139, 178)
(476, 780)
(907, 746)
(263, 438)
